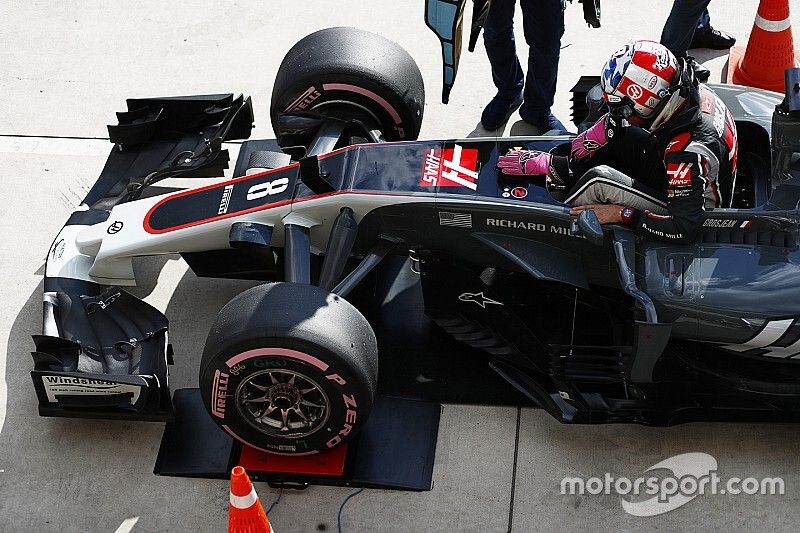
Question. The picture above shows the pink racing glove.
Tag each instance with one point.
(597, 136)
(525, 163)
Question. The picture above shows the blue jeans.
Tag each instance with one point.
(543, 25)
(685, 18)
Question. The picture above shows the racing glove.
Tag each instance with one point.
(597, 136)
(534, 163)
(525, 162)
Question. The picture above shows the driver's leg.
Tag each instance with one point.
(616, 188)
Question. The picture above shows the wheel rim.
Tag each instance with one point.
(282, 403)
(356, 110)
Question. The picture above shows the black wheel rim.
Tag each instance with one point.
(282, 403)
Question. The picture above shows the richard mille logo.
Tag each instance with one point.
(478, 298)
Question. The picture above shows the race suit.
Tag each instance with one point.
(676, 168)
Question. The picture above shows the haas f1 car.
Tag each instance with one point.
(591, 322)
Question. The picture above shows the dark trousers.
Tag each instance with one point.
(643, 184)
(543, 25)
(635, 152)
(686, 17)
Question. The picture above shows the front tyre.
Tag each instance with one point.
(289, 368)
(350, 74)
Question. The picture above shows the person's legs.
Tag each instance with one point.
(641, 180)
(543, 22)
(498, 38)
(707, 37)
(680, 26)
(704, 24)
(599, 187)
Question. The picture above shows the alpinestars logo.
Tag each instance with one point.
(451, 167)
(591, 145)
(478, 298)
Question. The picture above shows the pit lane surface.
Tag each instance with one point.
(67, 67)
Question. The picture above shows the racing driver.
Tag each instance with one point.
(673, 136)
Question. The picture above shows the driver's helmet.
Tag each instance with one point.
(638, 80)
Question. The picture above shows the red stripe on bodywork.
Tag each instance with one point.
(263, 207)
(149, 229)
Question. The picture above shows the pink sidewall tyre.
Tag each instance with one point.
(289, 368)
(350, 74)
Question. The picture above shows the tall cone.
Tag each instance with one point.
(770, 50)
(245, 513)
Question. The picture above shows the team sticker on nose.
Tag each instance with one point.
(450, 167)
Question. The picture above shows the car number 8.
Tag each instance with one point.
(268, 188)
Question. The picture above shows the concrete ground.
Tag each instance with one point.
(66, 67)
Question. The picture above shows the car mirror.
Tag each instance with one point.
(589, 226)
(444, 18)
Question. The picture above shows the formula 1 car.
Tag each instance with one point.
(588, 321)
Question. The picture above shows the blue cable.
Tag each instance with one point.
(271, 507)
(341, 507)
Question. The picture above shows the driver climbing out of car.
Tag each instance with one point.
(673, 136)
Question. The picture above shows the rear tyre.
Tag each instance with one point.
(289, 368)
(350, 74)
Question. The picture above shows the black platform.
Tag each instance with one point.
(420, 366)
(395, 450)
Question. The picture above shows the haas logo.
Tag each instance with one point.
(450, 167)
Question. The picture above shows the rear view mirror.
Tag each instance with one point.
(590, 227)
(444, 18)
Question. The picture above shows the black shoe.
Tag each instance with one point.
(499, 110)
(700, 72)
(713, 39)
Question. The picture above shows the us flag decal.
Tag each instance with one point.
(450, 167)
(458, 220)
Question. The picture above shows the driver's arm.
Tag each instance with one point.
(685, 200)
(560, 169)
(599, 134)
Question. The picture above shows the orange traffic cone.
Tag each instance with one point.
(245, 513)
(770, 50)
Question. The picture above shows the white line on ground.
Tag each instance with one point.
(127, 525)
(54, 146)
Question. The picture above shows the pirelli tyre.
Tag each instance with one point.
(289, 368)
(349, 74)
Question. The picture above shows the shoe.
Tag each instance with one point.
(499, 110)
(713, 39)
(544, 124)
(700, 71)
